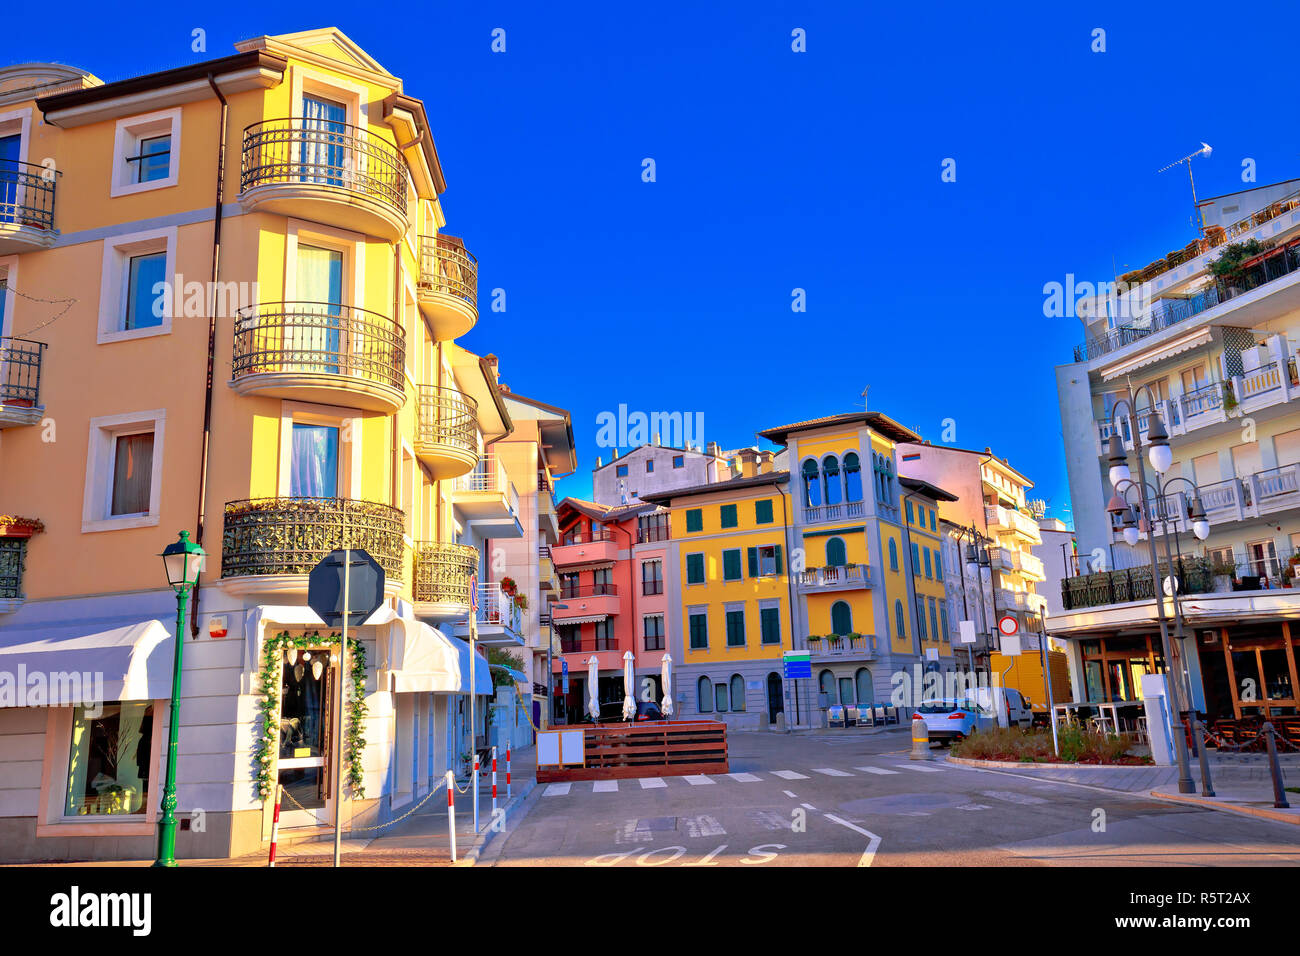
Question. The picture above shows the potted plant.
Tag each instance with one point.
(509, 587)
(1288, 575)
(1229, 398)
(1223, 573)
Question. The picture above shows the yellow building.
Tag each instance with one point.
(230, 307)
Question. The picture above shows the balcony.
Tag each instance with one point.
(847, 578)
(271, 544)
(1234, 499)
(1031, 567)
(446, 431)
(488, 500)
(814, 514)
(861, 646)
(583, 548)
(20, 382)
(327, 172)
(500, 621)
(1001, 519)
(548, 519)
(26, 207)
(546, 569)
(320, 352)
(1134, 584)
(441, 582)
(587, 603)
(447, 287)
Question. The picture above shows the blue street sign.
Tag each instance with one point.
(798, 665)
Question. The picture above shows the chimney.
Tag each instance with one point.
(599, 463)
(714, 449)
(491, 361)
(765, 462)
(656, 441)
(747, 458)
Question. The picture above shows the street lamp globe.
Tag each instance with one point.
(1131, 535)
(183, 560)
(1161, 457)
(1118, 459)
(1201, 529)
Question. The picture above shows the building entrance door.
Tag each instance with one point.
(307, 695)
(775, 697)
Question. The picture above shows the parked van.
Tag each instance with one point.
(1011, 709)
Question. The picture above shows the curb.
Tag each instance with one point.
(1029, 764)
(1267, 813)
(471, 856)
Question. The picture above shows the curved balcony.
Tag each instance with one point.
(448, 286)
(446, 431)
(20, 382)
(442, 578)
(324, 171)
(26, 207)
(270, 545)
(320, 352)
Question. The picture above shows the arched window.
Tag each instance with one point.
(852, 478)
(812, 492)
(866, 693)
(900, 620)
(893, 555)
(835, 553)
(841, 618)
(826, 683)
(831, 471)
(704, 695)
(737, 692)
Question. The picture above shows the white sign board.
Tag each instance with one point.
(1010, 645)
(558, 748)
(966, 632)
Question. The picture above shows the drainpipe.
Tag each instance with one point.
(396, 483)
(789, 586)
(212, 342)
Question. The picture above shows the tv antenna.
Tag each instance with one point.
(1206, 149)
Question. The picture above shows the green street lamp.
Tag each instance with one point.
(183, 560)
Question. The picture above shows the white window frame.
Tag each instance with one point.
(351, 244)
(97, 504)
(127, 136)
(115, 275)
(349, 424)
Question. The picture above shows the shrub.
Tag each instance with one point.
(1077, 744)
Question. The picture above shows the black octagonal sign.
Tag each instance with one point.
(365, 590)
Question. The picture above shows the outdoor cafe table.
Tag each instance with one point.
(1108, 711)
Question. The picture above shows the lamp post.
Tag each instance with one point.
(977, 561)
(183, 560)
(1161, 458)
(550, 678)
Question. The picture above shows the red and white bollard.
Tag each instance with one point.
(451, 812)
(507, 771)
(494, 784)
(275, 823)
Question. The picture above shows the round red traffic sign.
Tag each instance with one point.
(1008, 625)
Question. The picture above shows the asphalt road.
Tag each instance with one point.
(794, 800)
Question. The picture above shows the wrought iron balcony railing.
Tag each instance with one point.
(446, 417)
(309, 151)
(291, 535)
(27, 194)
(1133, 584)
(446, 266)
(20, 372)
(443, 573)
(319, 337)
(586, 590)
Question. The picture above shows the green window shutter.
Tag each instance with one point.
(729, 516)
(909, 512)
(735, 628)
(763, 511)
(770, 620)
(932, 527)
(929, 568)
(916, 559)
(731, 564)
(753, 561)
(699, 631)
(694, 520)
(778, 560)
(695, 569)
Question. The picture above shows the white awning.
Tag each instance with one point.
(584, 619)
(1183, 343)
(66, 666)
(424, 659)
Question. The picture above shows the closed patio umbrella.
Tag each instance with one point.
(593, 705)
(629, 681)
(667, 704)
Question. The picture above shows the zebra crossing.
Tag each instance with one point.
(634, 784)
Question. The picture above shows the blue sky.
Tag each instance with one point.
(779, 170)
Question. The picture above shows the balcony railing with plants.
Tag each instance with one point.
(291, 535)
(498, 606)
(311, 151)
(835, 575)
(839, 644)
(27, 195)
(446, 416)
(20, 371)
(1194, 576)
(447, 267)
(443, 572)
(321, 338)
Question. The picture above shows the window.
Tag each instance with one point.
(920, 617)
(679, 461)
(763, 511)
(136, 297)
(893, 555)
(569, 584)
(109, 760)
(812, 491)
(846, 690)
(929, 568)
(831, 471)
(602, 581)
(764, 560)
(652, 527)
(653, 631)
(314, 461)
(605, 635)
(835, 553)
(144, 308)
(731, 564)
(123, 471)
(728, 516)
(938, 565)
(908, 506)
(737, 692)
(694, 520)
(866, 693)
(699, 630)
(934, 621)
(852, 478)
(769, 621)
(695, 569)
(943, 620)
(146, 151)
(735, 628)
(916, 558)
(720, 697)
(900, 620)
(933, 526)
(826, 684)
(841, 618)
(652, 577)
(704, 693)
(13, 555)
(620, 471)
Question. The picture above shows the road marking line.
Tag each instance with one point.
(698, 780)
(831, 773)
(744, 777)
(557, 790)
(605, 786)
(880, 770)
(808, 806)
(920, 768)
(651, 783)
(789, 775)
(869, 854)
(704, 826)
(789, 793)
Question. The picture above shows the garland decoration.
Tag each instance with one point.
(354, 743)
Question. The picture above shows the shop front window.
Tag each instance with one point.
(109, 760)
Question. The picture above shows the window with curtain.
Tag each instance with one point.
(143, 274)
(737, 692)
(836, 554)
(900, 620)
(323, 141)
(652, 577)
(704, 695)
(866, 694)
(313, 339)
(852, 478)
(132, 474)
(841, 618)
(314, 461)
(812, 492)
(831, 471)
(109, 760)
(826, 684)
